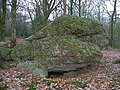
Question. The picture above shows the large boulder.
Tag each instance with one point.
(82, 28)
(58, 54)
(61, 46)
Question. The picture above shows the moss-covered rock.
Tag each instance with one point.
(3, 44)
(34, 67)
(83, 28)
(4, 55)
(58, 53)
(61, 46)
(73, 25)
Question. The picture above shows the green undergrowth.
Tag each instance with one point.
(117, 61)
(3, 87)
(78, 84)
(32, 87)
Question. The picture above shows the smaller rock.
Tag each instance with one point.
(34, 67)
(5, 53)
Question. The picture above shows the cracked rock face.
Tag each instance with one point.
(62, 45)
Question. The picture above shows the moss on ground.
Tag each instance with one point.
(117, 61)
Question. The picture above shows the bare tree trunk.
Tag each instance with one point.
(99, 18)
(13, 23)
(48, 7)
(65, 9)
(45, 10)
(37, 10)
(80, 8)
(2, 20)
(71, 7)
(112, 27)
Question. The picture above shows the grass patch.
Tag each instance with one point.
(117, 61)
(3, 88)
(32, 87)
(48, 82)
(78, 84)
(57, 87)
(20, 76)
(3, 65)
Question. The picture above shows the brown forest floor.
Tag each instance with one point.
(104, 76)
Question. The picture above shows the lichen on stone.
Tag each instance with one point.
(63, 45)
(34, 67)
(67, 25)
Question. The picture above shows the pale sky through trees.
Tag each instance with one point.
(108, 7)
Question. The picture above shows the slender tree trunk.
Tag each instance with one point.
(2, 20)
(45, 10)
(112, 27)
(65, 9)
(71, 7)
(13, 23)
(37, 10)
(80, 8)
(99, 18)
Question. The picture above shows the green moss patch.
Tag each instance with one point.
(117, 61)
(78, 84)
(67, 25)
